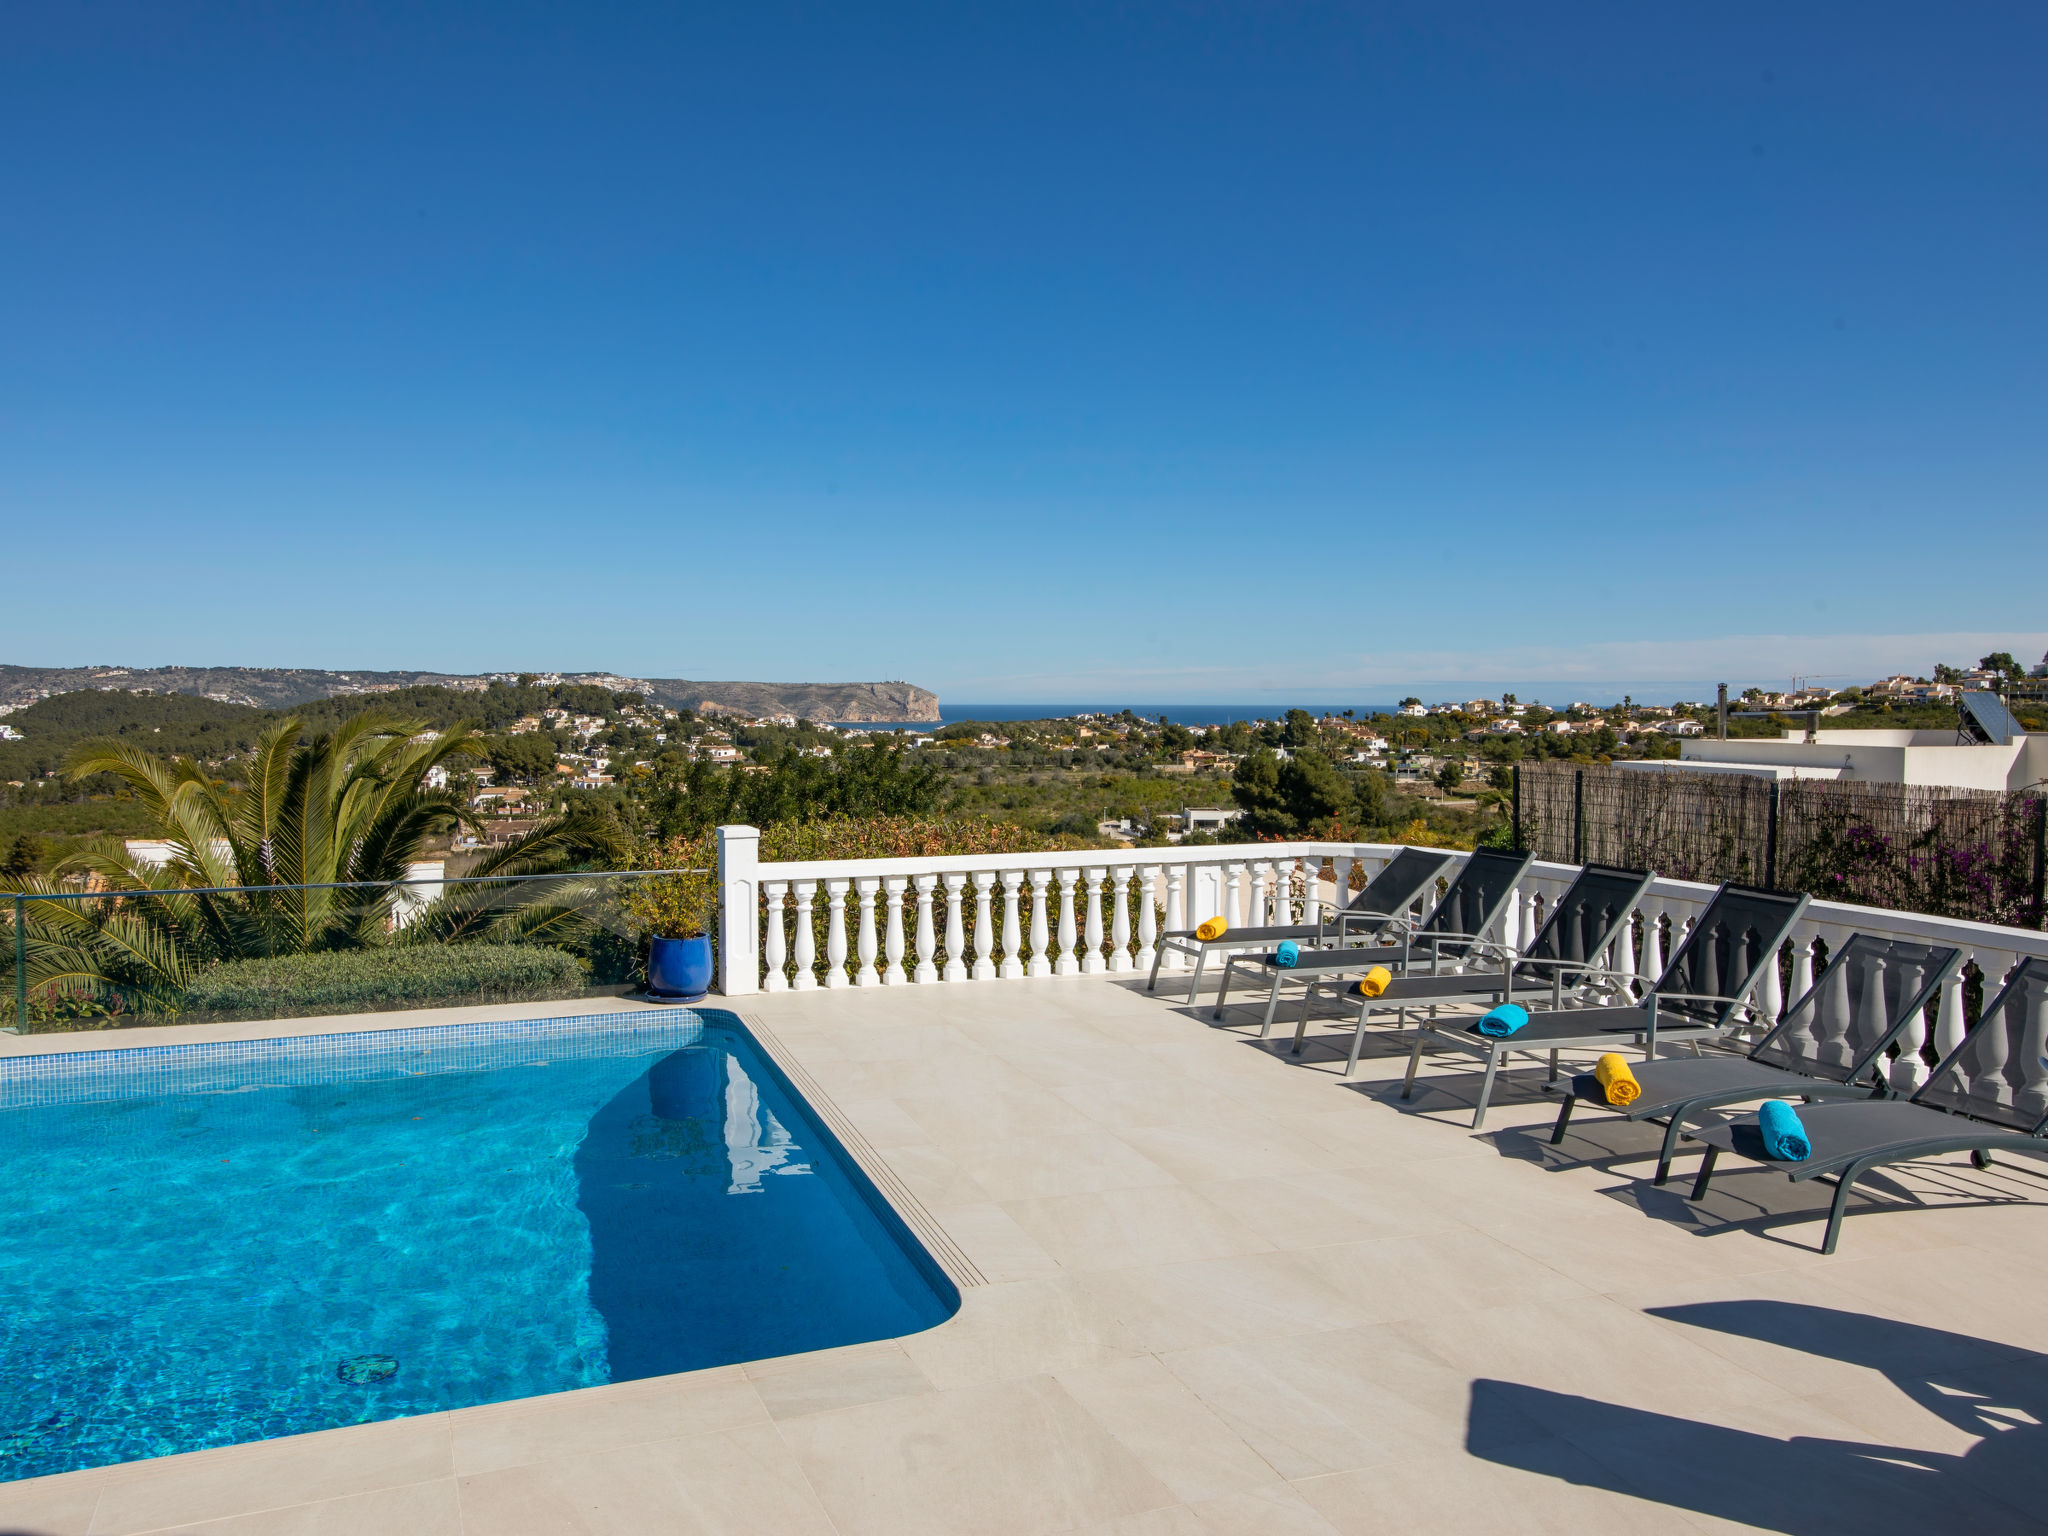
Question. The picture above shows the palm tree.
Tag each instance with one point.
(267, 868)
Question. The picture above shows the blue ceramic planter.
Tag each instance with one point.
(679, 968)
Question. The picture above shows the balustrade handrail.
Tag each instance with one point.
(1070, 858)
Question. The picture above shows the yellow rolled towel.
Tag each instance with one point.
(1375, 981)
(1613, 1074)
(1215, 928)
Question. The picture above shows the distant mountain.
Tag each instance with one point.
(281, 687)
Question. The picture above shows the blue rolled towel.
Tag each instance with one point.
(1784, 1137)
(1287, 954)
(1503, 1021)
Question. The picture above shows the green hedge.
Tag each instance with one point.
(373, 980)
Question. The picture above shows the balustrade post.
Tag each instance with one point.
(1091, 892)
(1340, 877)
(1066, 964)
(1311, 890)
(984, 928)
(1909, 1067)
(1041, 961)
(806, 978)
(739, 908)
(776, 955)
(1148, 921)
(835, 934)
(926, 971)
(1013, 933)
(1233, 895)
(1176, 910)
(1120, 920)
(892, 944)
(956, 933)
(1257, 916)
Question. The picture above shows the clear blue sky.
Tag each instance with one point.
(1027, 351)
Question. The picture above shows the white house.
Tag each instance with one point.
(1931, 758)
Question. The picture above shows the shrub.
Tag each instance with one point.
(373, 980)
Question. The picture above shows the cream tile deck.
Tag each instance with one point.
(1231, 1293)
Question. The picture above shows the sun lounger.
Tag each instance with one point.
(1989, 1095)
(1697, 998)
(1830, 1045)
(1387, 897)
(1459, 931)
(1567, 952)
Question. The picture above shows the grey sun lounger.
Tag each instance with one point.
(1831, 1044)
(1695, 999)
(1567, 951)
(1990, 1094)
(1387, 896)
(1455, 932)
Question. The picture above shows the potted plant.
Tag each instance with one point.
(675, 911)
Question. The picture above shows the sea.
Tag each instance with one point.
(1179, 714)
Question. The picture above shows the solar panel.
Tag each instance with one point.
(1986, 717)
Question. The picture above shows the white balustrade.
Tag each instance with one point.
(926, 971)
(1013, 936)
(773, 956)
(892, 945)
(1253, 888)
(806, 978)
(835, 933)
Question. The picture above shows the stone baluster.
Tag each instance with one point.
(1651, 965)
(956, 931)
(864, 936)
(1770, 991)
(1233, 895)
(1066, 964)
(893, 887)
(773, 951)
(1013, 930)
(984, 928)
(2029, 1092)
(1091, 892)
(1340, 878)
(1990, 1058)
(1120, 920)
(806, 979)
(1311, 891)
(1176, 910)
(1041, 960)
(1258, 916)
(1148, 918)
(835, 934)
(926, 971)
(1803, 940)
(1909, 1067)
(1949, 1024)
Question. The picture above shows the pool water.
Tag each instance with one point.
(210, 1244)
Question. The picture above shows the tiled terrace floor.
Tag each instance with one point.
(1228, 1293)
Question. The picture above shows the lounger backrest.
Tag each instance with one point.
(1720, 958)
(1870, 990)
(1478, 894)
(1393, 890)
(1584, 920)
(1998, 1073)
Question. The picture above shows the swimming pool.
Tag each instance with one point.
(201, 1245)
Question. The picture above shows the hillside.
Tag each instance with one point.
(284, 687)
